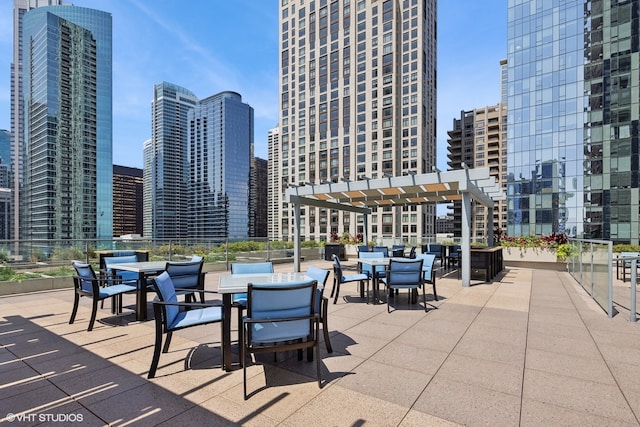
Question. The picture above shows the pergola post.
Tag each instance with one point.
(296, 237)
(466, 239)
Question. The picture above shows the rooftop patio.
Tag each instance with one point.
(531, 348)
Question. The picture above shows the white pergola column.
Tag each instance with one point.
(466, 239)
(296, 238)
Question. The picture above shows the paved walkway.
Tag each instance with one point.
(529, 349)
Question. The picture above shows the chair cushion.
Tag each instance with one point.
(167, 291)
(196, 317)
(240, 299)
(267, 333)
(354, 277)
(110, 291)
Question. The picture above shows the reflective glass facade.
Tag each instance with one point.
(573, 118)
(166, 174)
(67, 85)
(220, 134)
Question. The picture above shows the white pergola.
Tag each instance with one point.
(437, 187)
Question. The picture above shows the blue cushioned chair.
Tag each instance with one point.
(239, 301)
(188, 276)
(87, 284)
(322, 302)
(281, 317)
(397, 250)
(368, 269)
(339, 278)
(404, 274)
(435, 249)
(429, 272)
(171, 315)
(383, 249)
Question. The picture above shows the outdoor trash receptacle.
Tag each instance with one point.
(331, 249)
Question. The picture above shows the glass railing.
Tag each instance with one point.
(590, 262)
(34, 259)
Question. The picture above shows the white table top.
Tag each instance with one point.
(237, 283)
(378, 261)
(140, 267)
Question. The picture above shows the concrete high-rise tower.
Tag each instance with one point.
(357, 101)
(64, 123)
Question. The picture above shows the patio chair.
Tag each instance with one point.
(87, 284)
(280, 318)
(239, 301)
(412, 252)
(397, 250)
(453, 256)
(373, 273)
(625, 264)
(363, 248)
(188, 276)
(339, 278)
(404, 274)
(428, 272)
(435, 249)
(171, 315)
(383, 249)
(321, 275)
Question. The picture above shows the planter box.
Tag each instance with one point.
(35, 285)
(532, 258)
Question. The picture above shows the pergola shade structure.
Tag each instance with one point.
(438, 187)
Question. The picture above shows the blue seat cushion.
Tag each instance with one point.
(354, 277)
(110, 291)
(187, 318)
(240, 299)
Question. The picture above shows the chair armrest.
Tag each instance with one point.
(197, 290)
(188, 304)
(314, 316)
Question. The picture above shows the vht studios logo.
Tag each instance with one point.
(43, 418)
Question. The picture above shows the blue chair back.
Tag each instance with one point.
(453, 250)
(251, 267)
(368, 269)
(127, 276)
(86, 274)
(435, 249)
(319, 275)
(280, 301)
(427, 265)
(167, 292)
(185, 274)
(363, 248)
(407, 272)
(382, 249)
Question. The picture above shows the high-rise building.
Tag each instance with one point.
(357, 101)
(258, 198)
(65, 79)
(573, 119)
(166, 170)
(127, 200)
(275, 205)
(220, 150)
(478, 139)
(20, 7)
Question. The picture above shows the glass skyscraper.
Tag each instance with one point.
(573, 118)
(166, 173)
(220, 148)
(67, 130)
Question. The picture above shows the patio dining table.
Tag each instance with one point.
(237, 284)
(145, 269)
(375, 264)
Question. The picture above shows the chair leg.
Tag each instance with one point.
(240, 332)
(76, 301)
(333, 289)
(94, 311)
(335, 300)
(156, 351)
(167, 342)
(202, 297)
(318, 372)
(325, 328)
(435, 294)
(243, 355)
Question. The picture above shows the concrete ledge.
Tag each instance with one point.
(552, 266)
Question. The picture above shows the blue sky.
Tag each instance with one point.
(209, 46)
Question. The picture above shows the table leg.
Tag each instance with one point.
(226, 331)
(141, 298)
